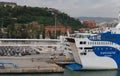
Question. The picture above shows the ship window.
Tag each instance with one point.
(80, 42)
(88, 48)
(107, 42)
(70, 49)
(110, 48)
(85, 53)
(101, 48)
(81, 53)
(67, 45)
(96, 43)
(106, 48)
(80, 48)
(98, 48)
(84, 42)
(65, 48)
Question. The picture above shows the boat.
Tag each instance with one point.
(96, 51)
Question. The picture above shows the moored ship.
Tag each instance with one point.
(96, 51)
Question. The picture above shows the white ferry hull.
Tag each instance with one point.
(98, 63)
(91, 61)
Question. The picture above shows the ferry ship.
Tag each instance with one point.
(96, 51)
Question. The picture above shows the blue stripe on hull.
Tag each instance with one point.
(108, 52)
(108, 36)
(74, 66)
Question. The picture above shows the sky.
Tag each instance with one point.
(77, 8)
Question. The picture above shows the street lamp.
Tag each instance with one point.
(2, 25)
(55, 25)
(55, 22)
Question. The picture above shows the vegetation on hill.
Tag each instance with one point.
(23, 14)
(45, 16)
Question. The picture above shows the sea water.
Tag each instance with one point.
(68, 72)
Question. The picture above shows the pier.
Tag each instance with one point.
(30, 64)
(29, 55)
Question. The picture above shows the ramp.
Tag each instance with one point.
(74, 66)
(74, 50)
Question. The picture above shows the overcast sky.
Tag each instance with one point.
(77, 8)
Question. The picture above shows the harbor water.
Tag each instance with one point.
(72, 73)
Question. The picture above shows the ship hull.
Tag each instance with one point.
(89, 60)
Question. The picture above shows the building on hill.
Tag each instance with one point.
(12, 4)
(60, 29)
(89, 24)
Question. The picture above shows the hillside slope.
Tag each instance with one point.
(45, 16)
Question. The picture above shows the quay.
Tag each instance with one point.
(31, 70)
(28, 65)
(31, 56)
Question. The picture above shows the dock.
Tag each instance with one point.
(31, 55)
(32, 65)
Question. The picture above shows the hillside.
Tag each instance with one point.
(97, 19)
(45, 16)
